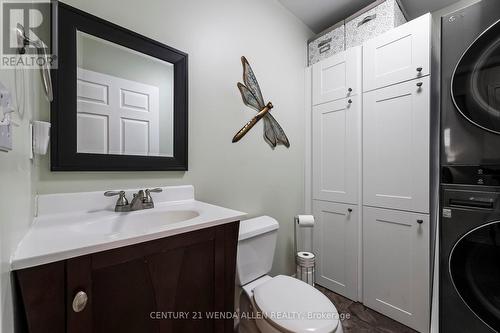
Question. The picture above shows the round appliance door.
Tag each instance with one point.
(475, 271)
(476, 81)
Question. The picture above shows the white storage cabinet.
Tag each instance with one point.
(396, 265)
(336, 140)
(399, 55)
(396, 134)
(336, 247)
(337, 77)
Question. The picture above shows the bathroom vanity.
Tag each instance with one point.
(166, 269)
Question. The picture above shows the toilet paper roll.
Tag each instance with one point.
(305, 221)
(305, 259)
(305, 255)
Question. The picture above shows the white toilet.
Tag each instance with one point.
(276, 304)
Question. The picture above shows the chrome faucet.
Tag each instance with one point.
(136, 203)
(122, 202)
(142, 200)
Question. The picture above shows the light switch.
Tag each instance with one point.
(5, 137)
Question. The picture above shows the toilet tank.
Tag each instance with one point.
(256, 245)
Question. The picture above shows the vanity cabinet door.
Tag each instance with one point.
(42, 307)
(180, 275)
(170, 285)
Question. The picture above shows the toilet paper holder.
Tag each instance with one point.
(305, 261)
(303, 221)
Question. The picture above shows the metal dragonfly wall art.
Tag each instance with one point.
(252, 97)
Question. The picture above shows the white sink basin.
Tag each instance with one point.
(59, 233)
(138, 222)
(157, 219)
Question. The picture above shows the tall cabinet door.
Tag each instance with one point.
(336, 137)
(398, 55)
(337, 77)
(396, 146)
(336, 247)
(396, 265)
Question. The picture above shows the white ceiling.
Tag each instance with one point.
(321, 14)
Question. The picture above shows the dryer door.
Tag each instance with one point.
(475, 272)
(476, 81)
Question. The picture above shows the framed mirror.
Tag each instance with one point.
(120, 99)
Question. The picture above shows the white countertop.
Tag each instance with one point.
(58, 234)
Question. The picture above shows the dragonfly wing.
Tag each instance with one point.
(251, 81)
(281, 138)
(269, 134)
(249, 98)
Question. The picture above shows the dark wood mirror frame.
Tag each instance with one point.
(64, 156)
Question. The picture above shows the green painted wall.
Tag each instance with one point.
(247, 176)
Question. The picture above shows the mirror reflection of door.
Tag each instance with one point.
(116, 116)
(124, 100)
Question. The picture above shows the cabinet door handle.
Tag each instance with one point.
(349, 101)
(420, 221)
(349, 210)
(419, 69)
(349, 90)
(80, 301)
(420, 84)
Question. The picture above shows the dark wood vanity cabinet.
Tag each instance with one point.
(172, 284)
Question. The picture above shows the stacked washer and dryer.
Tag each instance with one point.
(470, 170)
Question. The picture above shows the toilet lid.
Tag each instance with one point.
(295, 306)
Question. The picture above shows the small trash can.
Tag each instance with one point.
(306, 262)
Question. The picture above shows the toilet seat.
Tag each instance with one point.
(291, 305)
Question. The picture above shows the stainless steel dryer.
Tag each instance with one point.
(470, 260)
(470, 91)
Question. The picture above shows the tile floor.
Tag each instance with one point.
(363, 319)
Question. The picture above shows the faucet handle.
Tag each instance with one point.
(122, 200)
(148, 200)
(157, 190)
(113, 193)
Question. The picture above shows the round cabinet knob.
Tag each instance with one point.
(419, 69)
(420, 221)
(349, 210)
(419, 84)
(349, 101)
(349, 90)
(80, 301)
